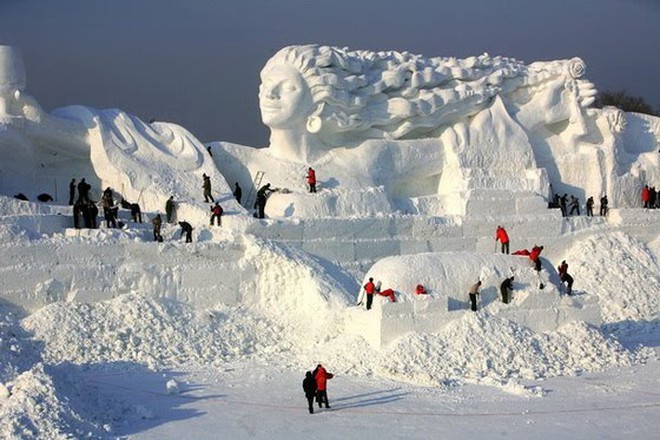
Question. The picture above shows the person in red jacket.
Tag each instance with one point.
(389, 293)
(216, 213)
(565, 277)
(369, 289)
(420, 289)
(535, 256)
(311, 179)
(503, 237)
(646, 196)
(321, 375)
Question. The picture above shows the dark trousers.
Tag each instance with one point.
(312, 187)
(569, 283)
(322, 397)
(310, 402)
(505, 248)
(208, 197)
(261, 208)
(505, 295)
(370, 300)
(218, 217)
(473, 302)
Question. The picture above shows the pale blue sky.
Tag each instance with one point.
(197, 62)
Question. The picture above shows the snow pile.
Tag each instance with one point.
(155, 332)
(621, 271)
(481, 347)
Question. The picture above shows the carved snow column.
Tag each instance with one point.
(12, 77)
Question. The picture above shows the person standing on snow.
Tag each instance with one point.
(473, 292)
(322, 376)
(238, 192)
(369, 290)
(505, 289)
(535, 256)
(563, 205)
(169, 209)
(206, 185)
(646, 196)
(157, 222)
(565, 277)
(311, 179)
(83, 191)
(575, 205)
(216, 213)
(309, 386)
(590, 207)
(603, 206)
(72, 191)
(503, 237)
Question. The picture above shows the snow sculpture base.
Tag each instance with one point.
(447, 277)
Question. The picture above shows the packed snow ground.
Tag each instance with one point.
(104, 369)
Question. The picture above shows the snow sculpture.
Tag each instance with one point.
(12, 76)
(315, 98)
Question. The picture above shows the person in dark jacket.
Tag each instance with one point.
(187, 228)
(238, 192)
(309, 386)
(169, 209)
(260, 202)
(505, 289)
(83, 190)
(207, 189)
(590, 207)
(575, 205)
(72, 191)
(77, 215)
(603, 206)
(136, 213)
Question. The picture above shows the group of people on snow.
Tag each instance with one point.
(315, 386)
(563, 203)
(650, 199)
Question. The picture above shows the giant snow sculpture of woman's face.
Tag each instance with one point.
(285, 100)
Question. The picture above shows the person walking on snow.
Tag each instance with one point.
(206, 185)
(311, 179)
(309, 386)
(503, 237)
(322, 377)
(473, 292)
(565, 277)
(505, 289)
(216, 213)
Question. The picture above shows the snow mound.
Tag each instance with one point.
(484, 348)
(621, 271)
(154, 332)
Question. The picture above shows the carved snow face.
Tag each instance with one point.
(284, 98)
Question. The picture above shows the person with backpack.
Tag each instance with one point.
(503, 237)
(309, 386)
(565, 277)
(216, 213)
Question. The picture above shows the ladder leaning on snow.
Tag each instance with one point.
(255, 186)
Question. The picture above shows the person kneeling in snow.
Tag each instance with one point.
(389, 293)
(420, 289)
